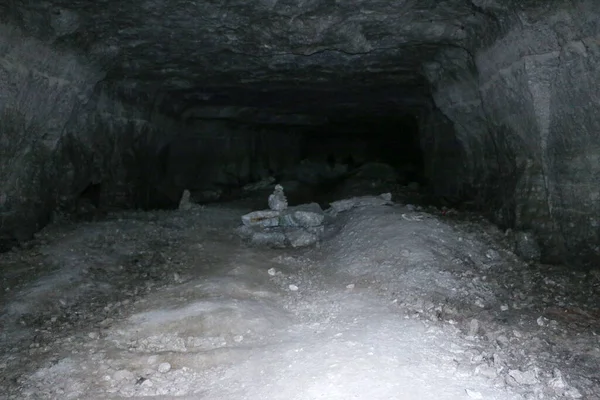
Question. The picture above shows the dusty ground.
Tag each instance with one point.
(396, 303)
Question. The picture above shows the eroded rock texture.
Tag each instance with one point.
(104, 91)
(523, 110)
(61, 133)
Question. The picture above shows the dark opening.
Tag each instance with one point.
(92, 194)
(218, 161)
(392, 140)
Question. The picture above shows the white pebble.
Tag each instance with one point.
(557, 383)
(123, 375)
(350, 286)
(293, 288)
(524, 378)
(473, 327)
(504, 307)
(164, 367)
(272, 271)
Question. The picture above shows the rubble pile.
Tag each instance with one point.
(283, 226)
(298, 226)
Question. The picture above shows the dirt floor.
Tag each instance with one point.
(396, 302)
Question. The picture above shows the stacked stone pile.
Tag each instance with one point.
(283, 226)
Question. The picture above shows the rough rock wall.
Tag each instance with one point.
(122, 143)
(444, 157)
(40, 91)
(525, 112)
(58, 134)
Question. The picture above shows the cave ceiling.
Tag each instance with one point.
(301, 55)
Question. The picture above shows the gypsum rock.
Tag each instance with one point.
(280, 237)
(184, 202)
(277, 200)
(264, 218)
(271, 237)
(305, 215)
(301, 238)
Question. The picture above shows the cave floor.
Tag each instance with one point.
(395, 303)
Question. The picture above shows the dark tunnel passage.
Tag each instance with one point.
(314, 160)
(393, 140)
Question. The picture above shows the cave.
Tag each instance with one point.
(480, 109)
(111, 93)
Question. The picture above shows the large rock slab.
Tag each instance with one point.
(296, 226)
(305, 216)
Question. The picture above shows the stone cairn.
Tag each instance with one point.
(283, 226)
(277, 200)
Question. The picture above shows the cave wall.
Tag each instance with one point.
(444, 166)
(40, 90)
(121, 143)
(63, 128)
(59, 133)
(525, 112)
